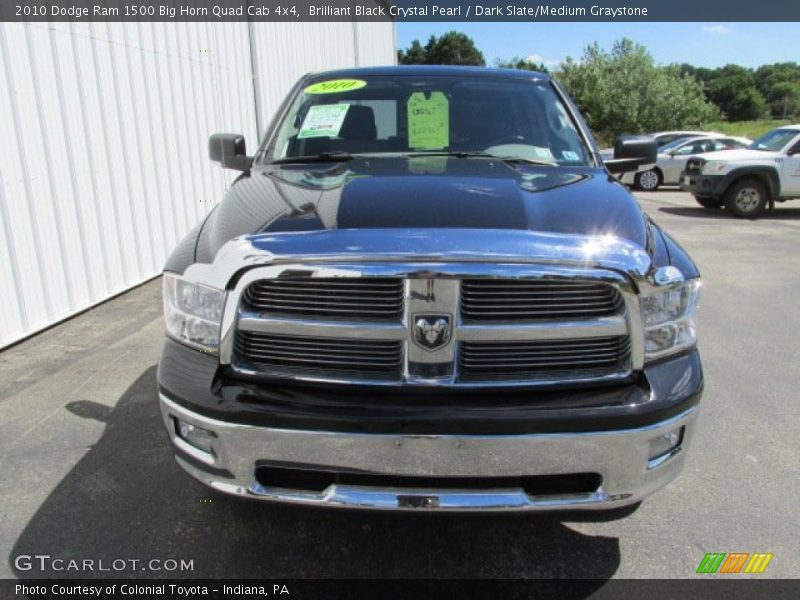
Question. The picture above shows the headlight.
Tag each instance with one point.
(714, 167)
(193, 312)
(668, 314)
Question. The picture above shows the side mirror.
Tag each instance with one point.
(794, 150)
(631, 152)
(229, 150)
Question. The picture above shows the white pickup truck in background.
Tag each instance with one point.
(746, 181)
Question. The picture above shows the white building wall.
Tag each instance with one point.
(320, 47)
(104, 128)
(376, 44)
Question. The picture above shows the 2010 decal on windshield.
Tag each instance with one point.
(335, 86)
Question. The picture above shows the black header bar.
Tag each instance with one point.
(408, 589)
(402, 10)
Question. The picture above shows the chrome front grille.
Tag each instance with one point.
(515, 360)
(433, 324)
(283, 354)
(361, 298)
(530, 300)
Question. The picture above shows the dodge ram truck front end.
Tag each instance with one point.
(429, 330)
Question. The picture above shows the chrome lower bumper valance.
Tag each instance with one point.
(622, 460)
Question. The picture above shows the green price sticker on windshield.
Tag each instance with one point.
(335, 86)
(428, 121)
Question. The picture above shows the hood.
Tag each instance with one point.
(741, 154)
(423, 192)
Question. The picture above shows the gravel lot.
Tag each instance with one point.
(86, 472)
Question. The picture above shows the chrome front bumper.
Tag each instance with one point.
(619, 457)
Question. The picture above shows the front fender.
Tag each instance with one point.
(666, 251)
(769, 175)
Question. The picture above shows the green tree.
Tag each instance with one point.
(784, 99)
(413, 55)
(624, 91)
(521, 63)
(767, 76)
(701, 74)
(452, 48)
(733, 89)
(779, 83)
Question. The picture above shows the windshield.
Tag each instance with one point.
(666, 148)
(775, 140)
(376, 116)
(669, 138)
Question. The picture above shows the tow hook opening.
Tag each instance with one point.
(418, 501)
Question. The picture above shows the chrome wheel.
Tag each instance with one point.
(648, 180)
(747, 199)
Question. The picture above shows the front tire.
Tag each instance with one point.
(710, 202)
(746, 198)
(648, 180)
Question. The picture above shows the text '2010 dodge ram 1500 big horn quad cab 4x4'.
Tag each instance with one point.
(426, 291)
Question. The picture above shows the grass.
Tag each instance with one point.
(750, 129)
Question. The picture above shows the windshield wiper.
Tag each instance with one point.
(312, 158)
(508, 159)
(456, 154)
(339, 156)
(530, 161)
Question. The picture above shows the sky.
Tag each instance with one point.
(701, 44)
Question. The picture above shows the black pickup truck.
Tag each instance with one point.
(426, 291)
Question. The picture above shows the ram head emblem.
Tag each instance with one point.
(432, 331)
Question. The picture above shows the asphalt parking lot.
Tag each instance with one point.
(86, 472)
